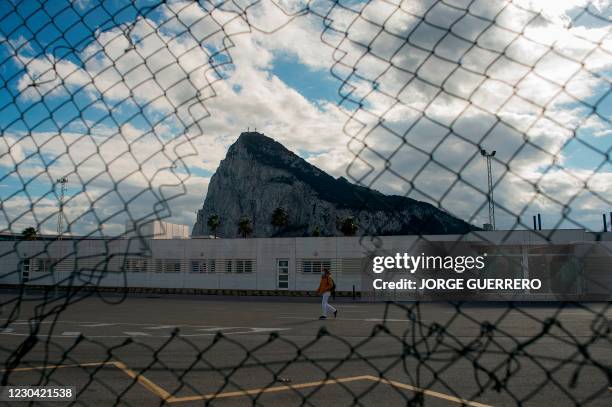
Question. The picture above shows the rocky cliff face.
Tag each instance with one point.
(258, 175)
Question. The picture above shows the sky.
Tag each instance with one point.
(137, 102)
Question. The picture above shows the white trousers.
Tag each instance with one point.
(325, 304)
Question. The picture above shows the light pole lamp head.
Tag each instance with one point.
(493, 153)
(483, 152)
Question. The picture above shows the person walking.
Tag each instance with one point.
(326, 287)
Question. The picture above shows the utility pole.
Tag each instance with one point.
(488, 156)
(60, 216)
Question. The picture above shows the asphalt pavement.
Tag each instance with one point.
(191, 350)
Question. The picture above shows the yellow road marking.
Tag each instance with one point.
(428, 392)
(163, 394)
(266, 389)
(148, 384)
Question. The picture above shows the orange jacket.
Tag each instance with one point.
(325, 285)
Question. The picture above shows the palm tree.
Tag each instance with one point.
(280, 219)
(213, 224)
(348, 226)
(30, 233)
(245, 227)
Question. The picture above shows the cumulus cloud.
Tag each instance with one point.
(513, 80)
(424, 86)
(151, 84)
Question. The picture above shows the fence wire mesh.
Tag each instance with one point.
(125, 99)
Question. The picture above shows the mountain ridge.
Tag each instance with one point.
(259, 174)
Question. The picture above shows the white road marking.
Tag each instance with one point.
(152, 331)
(251, 329)
(315, 317)
(389, 320)
(306, 318)
(161, 327)
(349, 306)
(254, 330)
(218, 328)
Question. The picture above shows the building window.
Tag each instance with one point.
(168, 266)
(198, 266)
(315, 265)
(45, 265)
(173, 266)
(239, 266)
(244, 266)
(202, 266)
(135, 265)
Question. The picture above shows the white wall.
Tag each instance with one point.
(156, 229)
(264, 252)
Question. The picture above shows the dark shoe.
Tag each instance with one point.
(322, 317)
(335, 313)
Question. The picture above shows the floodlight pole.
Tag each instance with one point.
(490, 201)
(60, 216)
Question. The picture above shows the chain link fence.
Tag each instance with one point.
(108, 108)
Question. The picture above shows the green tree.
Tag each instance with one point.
(348, 226)
(213, 223)
(245, 226)
(316, 232)
(30, 233)
(280, 219)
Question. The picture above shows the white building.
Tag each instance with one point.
(282, 263)
(156, 229)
